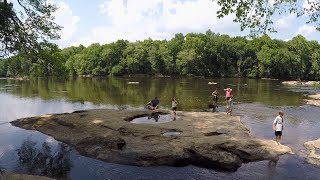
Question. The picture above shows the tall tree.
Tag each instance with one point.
(256, 15)
(23, 30)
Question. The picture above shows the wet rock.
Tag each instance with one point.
(300, 83)
(313, 155)
(313, 99)
(205, 139)
(12, 176)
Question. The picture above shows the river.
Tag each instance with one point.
(256, 102)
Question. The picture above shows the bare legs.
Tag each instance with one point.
(278, 138)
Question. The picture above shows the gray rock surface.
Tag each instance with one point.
(13, 176)
(206, 139)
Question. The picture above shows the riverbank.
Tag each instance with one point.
(211, 140)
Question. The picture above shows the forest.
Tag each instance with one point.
(195, 54)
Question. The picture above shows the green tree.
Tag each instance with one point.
(22, 31)
(257, 15)
(186, 61)
(300, 47)
(315, 67)
(47, 62)
(135, 59)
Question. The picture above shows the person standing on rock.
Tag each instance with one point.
(230, 107)
(228, 96)
(215, 94)
(174, 104)
(278, 126)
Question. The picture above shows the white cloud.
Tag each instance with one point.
(271, 2)
(157, 19)
(307, 3)
(285, 22)
(65, 18)
(306, 30)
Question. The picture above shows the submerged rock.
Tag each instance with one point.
(313, 148)
(205, 139)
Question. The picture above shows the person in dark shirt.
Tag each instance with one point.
(153, 104)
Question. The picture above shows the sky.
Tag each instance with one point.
(106, 21)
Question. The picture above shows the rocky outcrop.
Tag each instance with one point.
(300, 83)
(205, 139)
(313, 151)
(313, 99)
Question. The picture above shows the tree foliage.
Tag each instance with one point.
(24, 27)
(194, 54)
(257, 15)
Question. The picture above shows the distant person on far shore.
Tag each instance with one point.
(278, 126)
(153, 104)
(174, 104)
(228, 96)
(215, 94)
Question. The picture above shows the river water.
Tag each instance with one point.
(256, 102)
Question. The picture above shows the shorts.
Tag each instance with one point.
(174, 108)
(227, 98)
(278, 133)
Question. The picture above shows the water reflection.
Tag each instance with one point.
(272, 166)
(153, 118)
(192, 93)
(43, 96)
(44, 161)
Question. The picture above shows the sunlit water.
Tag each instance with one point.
(256, 101)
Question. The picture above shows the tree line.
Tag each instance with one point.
(194, 54)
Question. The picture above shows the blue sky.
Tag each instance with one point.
(105, 21)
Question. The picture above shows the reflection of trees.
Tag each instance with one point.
(192, 93)
(43, 161)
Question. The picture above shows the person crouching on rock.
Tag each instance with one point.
(153, 104)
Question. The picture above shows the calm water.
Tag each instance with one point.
(256, 101)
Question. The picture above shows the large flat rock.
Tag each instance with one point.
(206, 139)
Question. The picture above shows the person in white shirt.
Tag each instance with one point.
(278, 126)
